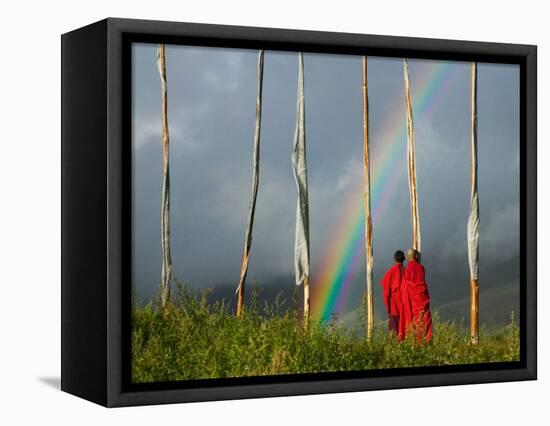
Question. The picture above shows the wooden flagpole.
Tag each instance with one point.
(368, 220)
(254, 191)
(411, 162)
(165, 201)
(299, 167)
(473, 220)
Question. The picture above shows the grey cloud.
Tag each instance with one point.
(211, 96)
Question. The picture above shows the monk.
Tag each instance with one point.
(391, 291)
(415, 301)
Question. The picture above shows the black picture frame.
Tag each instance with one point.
(96, 173)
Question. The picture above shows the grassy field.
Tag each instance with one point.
(199, 340)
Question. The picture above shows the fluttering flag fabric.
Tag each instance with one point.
(473, 219)
(254, 190)
(367, 197)
(165, 200)
(411, 162)
(301, 243)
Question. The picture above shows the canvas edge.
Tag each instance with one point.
(83, 219)
(115, 396)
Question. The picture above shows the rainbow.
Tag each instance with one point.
(343, 257)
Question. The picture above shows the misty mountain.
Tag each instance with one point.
(498, 297)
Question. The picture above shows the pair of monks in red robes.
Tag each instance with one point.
(407, 299)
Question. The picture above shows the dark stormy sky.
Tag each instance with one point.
(211, 107)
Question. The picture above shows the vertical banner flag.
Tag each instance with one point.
(411, 162)
(254, 191)
(473, 220)
(165, 201)
(366, 190)
(301, 245)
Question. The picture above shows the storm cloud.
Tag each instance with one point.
(211, 110)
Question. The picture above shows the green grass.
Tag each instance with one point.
(199, 340)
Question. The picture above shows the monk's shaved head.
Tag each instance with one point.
(412, 254)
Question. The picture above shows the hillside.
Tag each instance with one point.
(495, 309)
(495, 306)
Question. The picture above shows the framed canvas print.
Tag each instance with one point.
(252, 212)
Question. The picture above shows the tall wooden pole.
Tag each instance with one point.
(165, 201)
(473, 220)
(254, 191)
(366, 190)
(411, 162)
(299, 167)
(306, 301)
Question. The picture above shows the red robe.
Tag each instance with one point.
(391, 286)
(415, 304)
